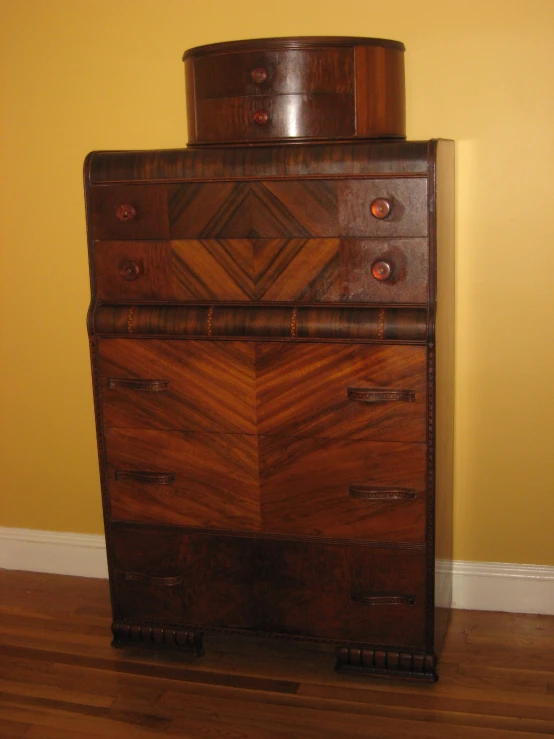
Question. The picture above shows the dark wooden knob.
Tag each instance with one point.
(381, 208)
(381, 270)
(125, 212)
(130, 271)
(259, 75)
(261, 117)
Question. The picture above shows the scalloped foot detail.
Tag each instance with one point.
(386, 664)
(157, 637)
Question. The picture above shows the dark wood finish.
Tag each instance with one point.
(265, 344)
(299, 589)
(303, 89)
(61, 680)
(264, 270)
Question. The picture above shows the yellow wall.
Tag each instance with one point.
(80, 75)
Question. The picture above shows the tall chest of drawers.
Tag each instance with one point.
(271, 330)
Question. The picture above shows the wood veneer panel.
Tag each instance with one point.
(150, 219)
(209, 480)
(288, 587)
(307, 488)
(189, 386)
(378, 71)
(302, 390)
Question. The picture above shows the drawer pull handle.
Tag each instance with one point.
(261, 117)
(382, 600)
(152, 478)
(381, 208)
(366, 492)
(259, 75)
(125, 213)
(130, 271)
(379, 395)
(164, 582)
(382, 270)
(153, 386)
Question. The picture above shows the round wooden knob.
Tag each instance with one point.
(381, 207)
(381, 270)
(125, 213)
(261, 117)
(259, 75)
(130, 271)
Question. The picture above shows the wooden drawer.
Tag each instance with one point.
(129, 212)
(264, 270)
(345, 489)
(296, 390)
(204, 480)
(302, 589)
(274, 72)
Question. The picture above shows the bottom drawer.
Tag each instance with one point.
(311, 589)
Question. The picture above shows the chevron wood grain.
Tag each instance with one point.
(305, 488)
(215, 481)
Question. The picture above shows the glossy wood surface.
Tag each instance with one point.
(263, 270)
(266, 388)
(310, 89)
(302, 589)
(61, 680)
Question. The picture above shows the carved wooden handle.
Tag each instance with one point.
(152, 478)
(261, 117)
(358, 596)
(153, 386)
(164, 582)
(367, 492)
(125, 213)
(259, 75)
(381, 208)
(379, 394)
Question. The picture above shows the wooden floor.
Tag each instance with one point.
(60, 679)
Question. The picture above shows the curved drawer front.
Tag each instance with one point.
(273, 72)
(302, 589)
(272, 117)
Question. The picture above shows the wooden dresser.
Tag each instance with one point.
(273, 382)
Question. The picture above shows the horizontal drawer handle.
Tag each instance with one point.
(382, 600)
(154, 478)
(164, 582)
(379, 394)
(372, 493)
(154, 386)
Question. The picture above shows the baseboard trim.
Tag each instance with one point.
(481, 586)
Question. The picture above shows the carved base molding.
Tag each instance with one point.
(157, 637)
(389, 664)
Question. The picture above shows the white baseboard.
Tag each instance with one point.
(482, 586)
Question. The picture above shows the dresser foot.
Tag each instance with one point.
(157, 637)
(382, 663)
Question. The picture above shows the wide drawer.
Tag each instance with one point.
(301, 589)
(384, 207)
(312, 487)
(273, 72)
(264, 270)
(296, 390)
(271, 117)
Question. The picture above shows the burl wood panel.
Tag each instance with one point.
(301, 589)
(299, 270)
(343, 488)
(211, 479)
(279, 209)
(328, 115)
(286, 72)
(209, 386)
(302, 391)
